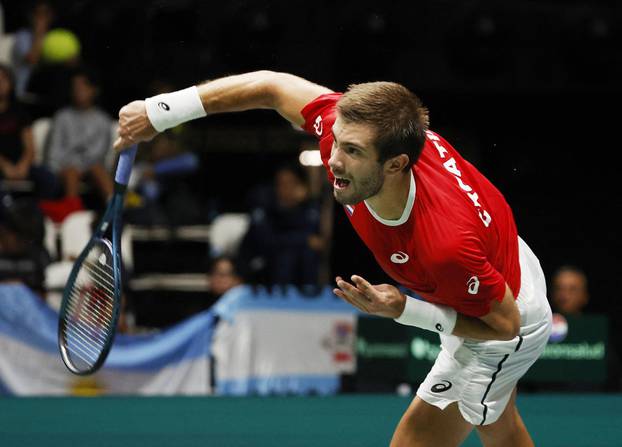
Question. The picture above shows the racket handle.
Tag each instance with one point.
(124, 166)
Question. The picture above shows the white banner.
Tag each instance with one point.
(175, 361)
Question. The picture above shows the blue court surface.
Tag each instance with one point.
(359, 420)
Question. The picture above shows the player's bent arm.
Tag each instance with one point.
(285, 93)
(501, 323)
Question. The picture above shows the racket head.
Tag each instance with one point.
(90, 308)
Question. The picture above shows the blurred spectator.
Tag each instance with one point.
(22, 256)
(223, 275)
(16, 142)
(80, 140)
(161, 179)
(283, 245)
(570, 294)
(29, 43)
(49, 86)
(1, 20)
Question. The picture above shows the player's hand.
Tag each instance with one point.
(134, 125)
(383, 300)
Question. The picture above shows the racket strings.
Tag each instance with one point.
(89, 318)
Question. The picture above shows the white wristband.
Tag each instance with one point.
(433, 317)
(171, 109)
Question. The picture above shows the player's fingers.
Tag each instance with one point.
(352, 290)
(364, 286)
(345, 297)
(123, 131)
(354, 296)
(121, 143)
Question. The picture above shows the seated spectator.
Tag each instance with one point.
(223, 275)
(161, 180)
(29, 42)
(80, 139)
(22, 255)
(49, 84)
(283, 245)
(569, 294)
(17, 144)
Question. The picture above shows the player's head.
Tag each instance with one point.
(395, 114)
(570, 294)
(380, 130)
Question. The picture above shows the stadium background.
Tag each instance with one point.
(527, 90)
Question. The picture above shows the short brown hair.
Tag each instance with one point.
(398, 115)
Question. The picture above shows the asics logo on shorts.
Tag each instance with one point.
(473, 285)
(440, 387)
(399, 258)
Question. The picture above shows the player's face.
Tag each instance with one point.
(354, 163)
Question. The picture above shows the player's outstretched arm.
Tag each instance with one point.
(285, 93)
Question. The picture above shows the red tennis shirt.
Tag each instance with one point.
(456, 243)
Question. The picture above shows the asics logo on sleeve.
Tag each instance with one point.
(318, 126)
(473, 285)
(164, 106)
(399, 258)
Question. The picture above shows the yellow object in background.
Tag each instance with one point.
(60, 45)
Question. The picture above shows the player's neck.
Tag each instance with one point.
(391, 200)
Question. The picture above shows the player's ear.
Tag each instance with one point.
(396, 164)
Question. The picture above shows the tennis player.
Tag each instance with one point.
(434, 223)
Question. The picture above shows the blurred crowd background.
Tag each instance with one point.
(526, 90)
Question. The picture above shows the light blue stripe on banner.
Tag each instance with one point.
(279, 385)
(188, 340)
(24, 317)
(287, 299)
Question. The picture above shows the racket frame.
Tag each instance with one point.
(110, 223)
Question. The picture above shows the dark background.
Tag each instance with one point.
(527, 90)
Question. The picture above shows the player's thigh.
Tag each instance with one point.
(424, 425)
(508, 430)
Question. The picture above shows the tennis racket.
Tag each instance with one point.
(92, 297)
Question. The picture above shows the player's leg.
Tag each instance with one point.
(425, 425)
(508, 431)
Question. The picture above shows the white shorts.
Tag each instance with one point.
(481, 375)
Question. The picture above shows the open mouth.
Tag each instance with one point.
(341, 183)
